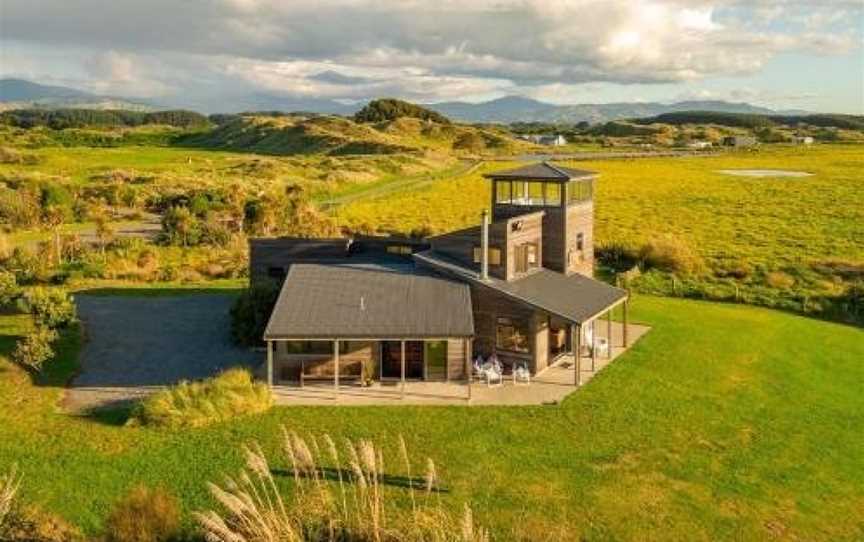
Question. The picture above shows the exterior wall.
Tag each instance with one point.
(459, 245)
(540, 338)
(580, 219)
(489, 305)
(516, 231)
(456, 352)
(270, 258)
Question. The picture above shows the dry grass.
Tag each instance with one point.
(339, 494)
(224, 397)
(9, 485)
(144, 515)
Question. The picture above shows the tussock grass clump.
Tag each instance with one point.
(30, 523)
(144, 515)
(340, 493)
(670, 254)
(195, 404)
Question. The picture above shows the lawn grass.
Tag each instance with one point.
(724, 422)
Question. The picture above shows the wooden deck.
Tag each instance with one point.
(548, 387)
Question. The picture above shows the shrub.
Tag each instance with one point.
(779, 280)
(143, 515)
(617, 256)
(51, 307)
(670, 254)
(9, 289)
(35, 349)
(251, 311)
(195, 404)
(353, 508)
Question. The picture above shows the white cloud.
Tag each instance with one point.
(427, 50)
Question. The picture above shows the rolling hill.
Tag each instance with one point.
(334, 135)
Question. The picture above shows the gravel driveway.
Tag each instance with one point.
(136, 344)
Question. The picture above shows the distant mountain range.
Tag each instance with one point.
(18, 93)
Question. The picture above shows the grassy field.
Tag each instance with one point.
(724, 422)
(793, 228)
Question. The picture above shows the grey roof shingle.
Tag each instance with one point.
(542, 171)
(324, 301)
(573, 297)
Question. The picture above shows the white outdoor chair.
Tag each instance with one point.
(601, 346)
(494, 375)
(521, 375)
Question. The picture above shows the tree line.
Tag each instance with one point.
(59, 119)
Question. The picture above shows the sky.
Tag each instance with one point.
(784, 54)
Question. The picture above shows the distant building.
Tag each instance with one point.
(803, 140)
(739, 141)
(699, 144)
(548, 140)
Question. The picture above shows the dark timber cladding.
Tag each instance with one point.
(566, 197)
(369, 301)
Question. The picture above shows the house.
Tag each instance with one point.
(699, 144)
(519, 285)
(555, 140)
(739, 141)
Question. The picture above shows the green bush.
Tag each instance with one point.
(35, 349)
(144, 515)
(50, 307)
(9, 289)
(195, 404)
(251, 311)
(391, 109)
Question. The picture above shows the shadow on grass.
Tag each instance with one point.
(115, 414)
(333, 475)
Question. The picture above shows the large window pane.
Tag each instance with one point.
(511, 335)
(553, 194)
(502, 192)
(580, 190)
(309, 347)
(535, 193)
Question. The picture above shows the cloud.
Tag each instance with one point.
(426, 50)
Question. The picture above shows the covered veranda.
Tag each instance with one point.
(549, 386)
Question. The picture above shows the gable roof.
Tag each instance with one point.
(369, 301)
(542, 171)
(576, 298)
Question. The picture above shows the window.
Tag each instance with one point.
(511, 335)
(502, 192)
(403, 250)
(553, 194)
(526, 257)
(535, 194)
(309, 347)
(494, 255)
(581, 190)
(580, 241)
